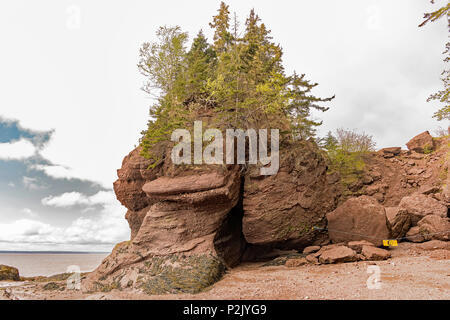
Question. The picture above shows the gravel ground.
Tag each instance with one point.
(410, 274)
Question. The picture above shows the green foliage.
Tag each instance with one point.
(443, 96)
(428, 149)
(239, 79)
(346, 153)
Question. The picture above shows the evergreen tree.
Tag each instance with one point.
(240, 79)
(200, 63)
(221, 25)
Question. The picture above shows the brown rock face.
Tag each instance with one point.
(281, 209)
(433, 227)
(185, 228)
(132, 176)
(361, 218)
(419, 205)
(399, 220)
(421, 143)
(414, 235)
(183, 221)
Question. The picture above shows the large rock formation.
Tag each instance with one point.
(185, 228)
(189, 223)
(281, 210)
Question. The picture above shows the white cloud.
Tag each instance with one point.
(58, 171)
(84, 233)
(30, 213)
(25, 229)
(67, 199)
(70, 199)
(32, 183)
(11, 184)
(17, 150)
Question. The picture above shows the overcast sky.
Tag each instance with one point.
(71, 106)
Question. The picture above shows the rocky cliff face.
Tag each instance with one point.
(410, 186)
(281, 210)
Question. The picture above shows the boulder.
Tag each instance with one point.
(9, 273)
(358, 245)
(374, 254)
(421, 143)
(311, 249)
(390, 152)
(419, 205)
(399, 221)
(338, 254)
(433, 227)
(361, 218)
(311, 258)
(281, 210)
(414, 235)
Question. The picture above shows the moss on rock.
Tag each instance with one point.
(177, 274)
(9, 273)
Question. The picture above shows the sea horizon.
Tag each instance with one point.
(53, 252)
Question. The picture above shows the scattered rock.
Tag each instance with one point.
(414, 235)
(419, 205)
(292, 263)
(390, 152)
(338, 254)
(9, 273)
(361, 218)
(429, 189)
(375, 254)
(358, 245)
(312, 259)
(311, 249)
(421, 143)
(433, 227)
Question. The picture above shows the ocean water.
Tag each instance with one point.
(47, 264)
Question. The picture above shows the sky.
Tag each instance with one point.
(71, 106)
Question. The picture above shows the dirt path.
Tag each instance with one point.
(410, 274)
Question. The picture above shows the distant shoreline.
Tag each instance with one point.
(55, 252)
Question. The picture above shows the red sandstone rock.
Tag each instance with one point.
(361, 218)
(421, 142)
(338, 254)
(419, 205)
(375, 254)
(282, 209)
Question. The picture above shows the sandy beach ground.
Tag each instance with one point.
(411, 273)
